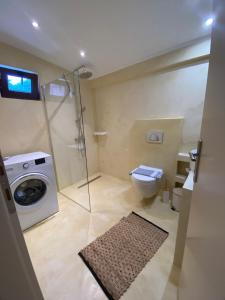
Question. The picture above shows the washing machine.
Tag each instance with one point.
(33, 186)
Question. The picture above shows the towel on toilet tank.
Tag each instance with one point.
(145, 172)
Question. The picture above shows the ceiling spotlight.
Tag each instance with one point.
(209, 21)
(82, 53)
(35, 24)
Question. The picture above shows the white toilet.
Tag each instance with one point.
(147, 180)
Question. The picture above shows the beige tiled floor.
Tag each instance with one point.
(54, 244)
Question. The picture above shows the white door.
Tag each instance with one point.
(203, 270)
(17, 277)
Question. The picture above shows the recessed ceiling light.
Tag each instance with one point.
(209, 21)
(82, 53)
(35, 24)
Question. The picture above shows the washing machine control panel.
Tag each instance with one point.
(39, 161)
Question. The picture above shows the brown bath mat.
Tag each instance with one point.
(118, 256)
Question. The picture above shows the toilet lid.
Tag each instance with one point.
(143, 178)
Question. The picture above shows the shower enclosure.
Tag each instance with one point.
(65, 115)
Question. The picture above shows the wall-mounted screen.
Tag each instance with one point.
(18, 84)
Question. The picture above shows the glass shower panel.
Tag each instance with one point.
(64, 112)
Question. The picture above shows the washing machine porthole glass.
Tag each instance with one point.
(30, 192)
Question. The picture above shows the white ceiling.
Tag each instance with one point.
(114, 33)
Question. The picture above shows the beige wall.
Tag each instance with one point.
(22, 123)
(163, 155)
(23, 126)
(173, 92)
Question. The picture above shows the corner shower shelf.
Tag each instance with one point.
(100, 133)
(78, 147)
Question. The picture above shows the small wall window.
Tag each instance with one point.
(18, 84)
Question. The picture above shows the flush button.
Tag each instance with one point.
(26, 166)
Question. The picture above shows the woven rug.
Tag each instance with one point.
(118, 256)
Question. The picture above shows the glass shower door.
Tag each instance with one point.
(64, 113)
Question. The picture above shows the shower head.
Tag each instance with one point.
(84, 73)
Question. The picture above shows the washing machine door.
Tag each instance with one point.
(29, 190)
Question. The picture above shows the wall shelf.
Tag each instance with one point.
(183, 156)
(76, 146)
(100, 133)
(183, 165)
(180, 178)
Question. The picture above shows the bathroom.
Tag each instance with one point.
(99, 124)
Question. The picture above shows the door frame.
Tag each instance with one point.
(17, 276)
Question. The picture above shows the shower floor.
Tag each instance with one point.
(53, 245)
